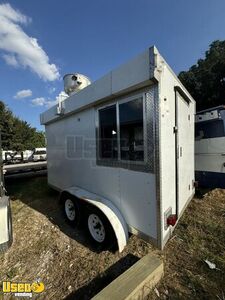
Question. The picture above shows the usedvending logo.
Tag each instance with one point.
(23, 289)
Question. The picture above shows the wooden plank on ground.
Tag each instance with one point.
(136, 282)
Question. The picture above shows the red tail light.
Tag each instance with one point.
(171, 220)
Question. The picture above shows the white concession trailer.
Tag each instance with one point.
(121, 151)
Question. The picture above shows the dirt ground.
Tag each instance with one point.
(46, 248)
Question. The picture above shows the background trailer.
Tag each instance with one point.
(210, 147)
(124, 146)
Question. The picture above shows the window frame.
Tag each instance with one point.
(207, 123)
(118, 162)
(98, 133)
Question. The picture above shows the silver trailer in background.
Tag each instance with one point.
(121, 151)
(10, 156)
(5, 213)
(210, 147)
(27, 155)
(6, 156)
(39, 154)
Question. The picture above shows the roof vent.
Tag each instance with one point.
(73, 83)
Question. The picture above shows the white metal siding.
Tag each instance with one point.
(138, 202)
(167, 146)
(132, 192)
(185, 150)
(132, 73)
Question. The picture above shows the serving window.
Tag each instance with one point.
(131, 130)
(121, 132)
(108, 133)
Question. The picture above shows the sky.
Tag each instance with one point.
(41, 41)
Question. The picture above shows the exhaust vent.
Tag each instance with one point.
(73, 83)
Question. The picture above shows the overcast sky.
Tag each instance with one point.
(40, 41)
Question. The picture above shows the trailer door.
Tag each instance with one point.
(184, 149)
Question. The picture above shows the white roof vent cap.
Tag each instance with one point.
(75, 82)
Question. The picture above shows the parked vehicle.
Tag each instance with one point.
(39, 154)
(9, 156)
(27, 155)
(210, 147)
(121, 152)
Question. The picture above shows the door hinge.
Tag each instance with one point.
(175, 129)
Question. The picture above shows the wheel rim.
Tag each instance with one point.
(70, 210)
(96, 228)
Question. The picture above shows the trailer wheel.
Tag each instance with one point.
(99, 228)
(71, 210)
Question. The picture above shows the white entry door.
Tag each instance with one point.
(184, 150)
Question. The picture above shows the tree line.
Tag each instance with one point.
(17, 134)
(205, 80)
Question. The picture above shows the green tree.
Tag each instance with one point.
(17, 134)
(6, 126)
(206, 80)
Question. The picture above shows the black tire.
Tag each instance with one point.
(71, 209)
(106, 236)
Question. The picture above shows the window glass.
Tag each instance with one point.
(131, 130)
(108, 133)
(40, 152)
(209, 129)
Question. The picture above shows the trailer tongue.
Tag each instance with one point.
(5, 214)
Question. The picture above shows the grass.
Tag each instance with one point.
(46, 247)
(199, 236)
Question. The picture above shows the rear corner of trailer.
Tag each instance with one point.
(176, 148)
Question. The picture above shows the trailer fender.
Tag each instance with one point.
(109, 210)
(6, 236)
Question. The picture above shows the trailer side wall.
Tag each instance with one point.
(72, 161)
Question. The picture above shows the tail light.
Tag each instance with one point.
(171, 220)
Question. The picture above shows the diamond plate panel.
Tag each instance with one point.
(150, 127)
